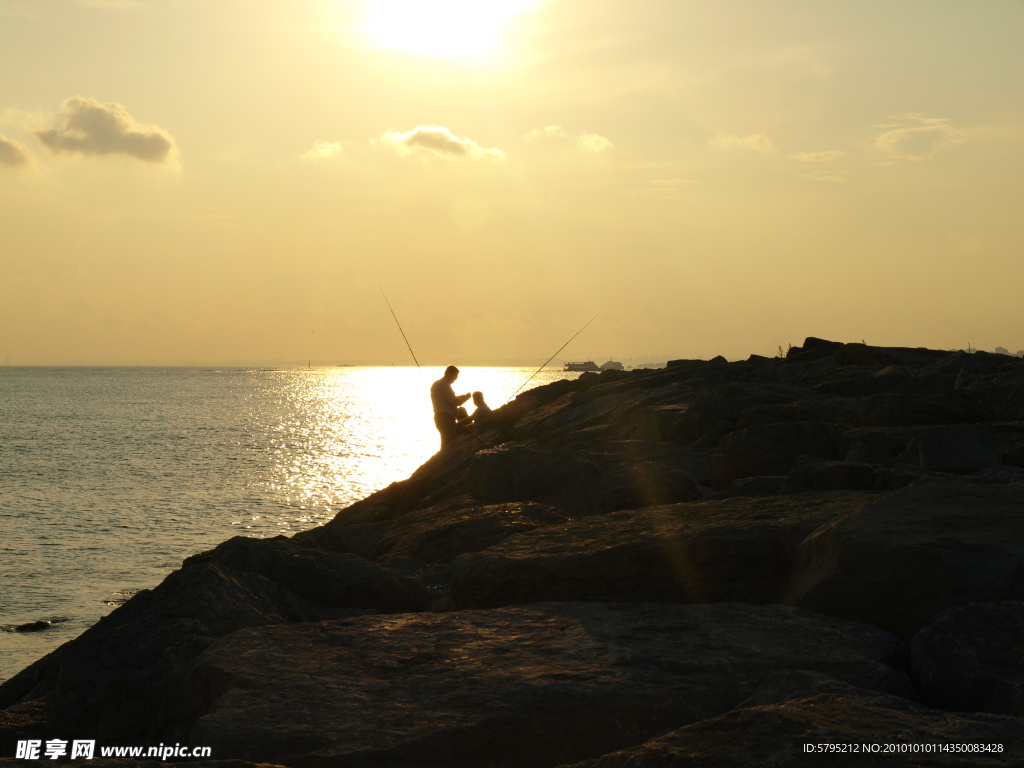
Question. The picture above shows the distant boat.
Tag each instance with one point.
(613, 365)
(590, 365)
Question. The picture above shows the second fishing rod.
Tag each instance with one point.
(521, 386)
(463, 426)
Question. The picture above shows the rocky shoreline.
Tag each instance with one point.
(710, 564)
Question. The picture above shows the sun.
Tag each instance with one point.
(441, 28)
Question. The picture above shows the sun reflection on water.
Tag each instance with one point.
(328, 437)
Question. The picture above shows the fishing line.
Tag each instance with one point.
(407, 344)
(553, 356)
(399, 325)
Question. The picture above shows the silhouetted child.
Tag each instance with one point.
(482, 409)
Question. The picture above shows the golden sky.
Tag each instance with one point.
(206, 181)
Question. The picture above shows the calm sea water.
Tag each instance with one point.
(110, 477)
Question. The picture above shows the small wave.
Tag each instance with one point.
(121, 596)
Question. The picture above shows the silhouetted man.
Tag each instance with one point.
(446, 405)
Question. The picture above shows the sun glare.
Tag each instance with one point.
(442, 28)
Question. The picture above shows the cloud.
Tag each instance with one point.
(594, 142)
(824, 156)
(922, 140)
(87, 127)
(758, 142)
(548, 132)
(439, 141)
(13, 154)
(591, 142)
(324, 151)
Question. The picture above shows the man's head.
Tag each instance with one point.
(451, 373)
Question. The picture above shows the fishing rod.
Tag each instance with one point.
(407, 344)
(399, 325)
(553, 356)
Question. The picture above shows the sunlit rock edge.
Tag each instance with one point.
(712, 563)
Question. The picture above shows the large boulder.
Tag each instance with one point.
(739, 549)
(770, 449)
(322, 577)
(518, 472)
(811, 474)
(971, 659)
(957, 448)
(532, 686)
(849, 729)
(440, 534)
(122, 680)
(900, 561)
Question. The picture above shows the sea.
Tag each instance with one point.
(110, 477)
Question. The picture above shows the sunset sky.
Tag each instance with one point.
(207, 181)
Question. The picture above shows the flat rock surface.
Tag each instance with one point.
(972, 659)
(739, 549)
(127, 762)
(532, 686)
(440, 534)
(872, 732)
(881, 487)
(900, 561)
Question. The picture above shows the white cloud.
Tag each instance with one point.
(548, 132)
(324, 150)
(922, 139)
(438, 141)
(823, 156)
(88, 127)
(757, 142)
(557, 135)
(13, 154)
(594, 142)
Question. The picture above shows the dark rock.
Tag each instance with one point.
(35, 626)
(864, 731)
(322, 578)
(604, 477)
(740, 549)
(154, 762)
(680, 423)
(440, 534)
(883, 447)
(790, 684)
(653, 483)
(766, 485)
(770, 449)
(523, 473)
(597, 490)
(814, 348)
(894, 478)
(970, 659)
(811, 474)
(534, 686)
(357, 539)
(1000, 473)
(22, 721)
(957, 448)
(122, 679)
(900, 561)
